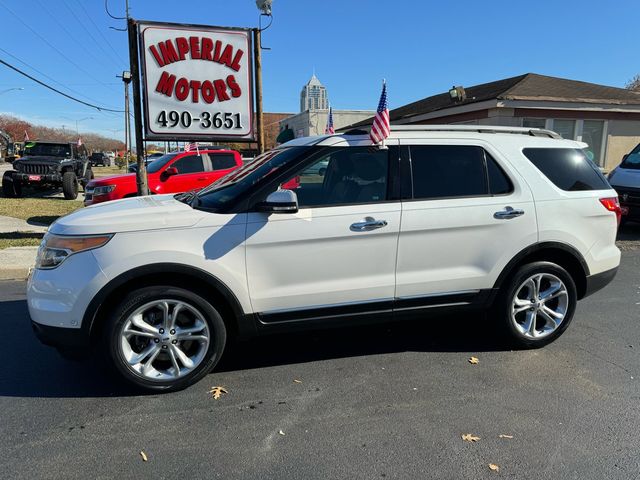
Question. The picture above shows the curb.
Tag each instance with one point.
(14, 273)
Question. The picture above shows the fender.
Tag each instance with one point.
(245, 323)
(506, 271)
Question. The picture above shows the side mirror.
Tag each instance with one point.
(280, 201)
(171, 171)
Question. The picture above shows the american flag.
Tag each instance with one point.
(190, 147)
(79, 141)
(329, 130)
(26, 136)
(380, 128)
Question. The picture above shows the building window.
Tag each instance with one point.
(566, 128)
(592, 134)
(534, 122)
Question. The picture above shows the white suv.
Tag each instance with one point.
(440, 217)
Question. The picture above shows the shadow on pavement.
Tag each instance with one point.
(34, 370)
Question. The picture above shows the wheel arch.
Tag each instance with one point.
(559, 253)
(194, 279)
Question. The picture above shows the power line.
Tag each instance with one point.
(52, 46)
(100, 31)
(106, 7)
(47, 76)
(69, 34)
(58, 91)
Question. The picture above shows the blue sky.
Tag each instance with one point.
(421, 47)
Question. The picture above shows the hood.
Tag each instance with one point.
(115, 179)
(625, 177)
(40, 159)
(128, 215)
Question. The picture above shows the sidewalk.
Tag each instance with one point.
(15, 262)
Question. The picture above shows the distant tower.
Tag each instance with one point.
(313, 95)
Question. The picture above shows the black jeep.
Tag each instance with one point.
(49, 164)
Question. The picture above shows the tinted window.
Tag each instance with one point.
(448, 171)
(222, 161)
(342, 176)
(632, 161)
(189, 164)
(499, 183)
(568, 168)
(158, 163)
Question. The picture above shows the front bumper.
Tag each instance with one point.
(599, 281)
(60, 337)
(43, 178)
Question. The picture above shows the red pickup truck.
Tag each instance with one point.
(172, 173)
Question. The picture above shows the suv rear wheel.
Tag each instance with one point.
(164, 338)
(70, 185)
(537, 305)
(10, 188)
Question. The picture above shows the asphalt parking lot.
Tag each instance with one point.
(389, 401)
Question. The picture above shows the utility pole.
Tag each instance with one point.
(141, 174)
(126, 80)
(258, 67)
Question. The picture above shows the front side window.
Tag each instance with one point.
(569, 169)
(441, 171)
(189, 164)
(343, 176)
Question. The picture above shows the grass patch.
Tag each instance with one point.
(20, 239)
(38, 210)
(107, 171)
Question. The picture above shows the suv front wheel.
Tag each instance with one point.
(10, 188)
(537, 305)
(164, 338)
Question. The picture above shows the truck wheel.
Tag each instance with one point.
(10, 188)
(70, 185)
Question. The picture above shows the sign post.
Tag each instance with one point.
(257, 47)
(141, 173)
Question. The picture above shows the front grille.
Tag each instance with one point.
(34, 168)
(628, 196)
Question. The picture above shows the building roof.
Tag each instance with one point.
(313, 81)
(530, 86)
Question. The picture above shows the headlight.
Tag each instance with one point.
(55, 249)
(103, 190)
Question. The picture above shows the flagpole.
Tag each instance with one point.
(384, 82)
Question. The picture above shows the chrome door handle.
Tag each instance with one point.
(508, 212)
(369, 223)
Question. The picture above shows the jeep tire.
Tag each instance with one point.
(70, 185)
(10, 188)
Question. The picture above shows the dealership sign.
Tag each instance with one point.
(197, 82)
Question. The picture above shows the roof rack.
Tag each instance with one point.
(534, 132)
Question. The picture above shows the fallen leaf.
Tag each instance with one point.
(502, 435)
(144, 456)
(494, 467)
(297, 381)
(216, 392)
(474, 361)
(280, 432)
(469, 437)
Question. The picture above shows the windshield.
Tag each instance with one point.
(236, 183)
(47, 149)
(632, 161)
(160, 162)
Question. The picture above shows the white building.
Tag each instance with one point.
(313, 96)
(314, 122)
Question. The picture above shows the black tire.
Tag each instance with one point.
(70, 185)
(503, 306)
(10, 188)
(144, 296)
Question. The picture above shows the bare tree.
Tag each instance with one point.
(634, 84)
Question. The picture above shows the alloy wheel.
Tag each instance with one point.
(539, 305)
(164, 340)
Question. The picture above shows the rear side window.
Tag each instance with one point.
(189, 164)
(443, 171)
(568, 168)
(222, 161)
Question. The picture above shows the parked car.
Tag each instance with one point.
(518, 221)
(625, 178)
(170, 173)
(99, 158)
(133, 167)
(50, 164)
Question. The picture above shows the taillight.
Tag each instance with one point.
(613, 205)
